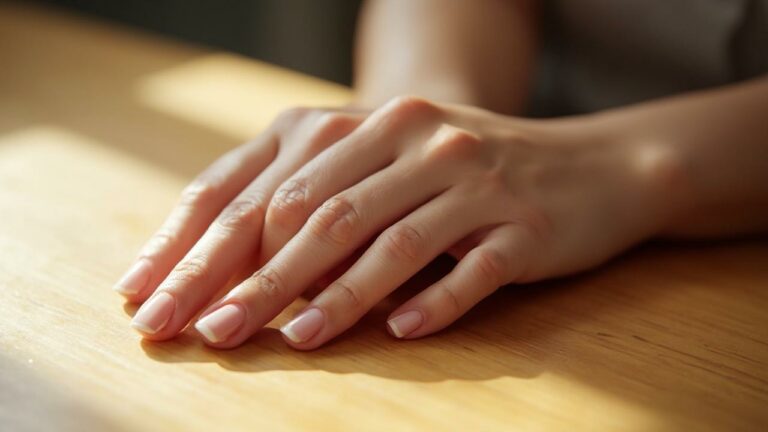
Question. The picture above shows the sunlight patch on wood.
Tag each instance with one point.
(234, 95)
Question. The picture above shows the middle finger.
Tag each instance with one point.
(333, 232)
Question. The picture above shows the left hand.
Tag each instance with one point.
(516, 200)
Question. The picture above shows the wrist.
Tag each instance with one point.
(658, 170)
(651, 175)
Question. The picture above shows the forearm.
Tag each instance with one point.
(705, 155)
(471, 52)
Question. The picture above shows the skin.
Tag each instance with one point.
(477, 53)
(364, 197)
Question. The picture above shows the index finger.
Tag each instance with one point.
(198, 206)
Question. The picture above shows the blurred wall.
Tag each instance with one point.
(310, 36)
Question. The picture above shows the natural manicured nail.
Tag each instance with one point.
(218, 325)
(305, 326)
(405, 323)
(153, 315)
(135, 279)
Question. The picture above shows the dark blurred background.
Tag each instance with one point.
(310, 36)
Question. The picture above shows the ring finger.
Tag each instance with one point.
(396, 255)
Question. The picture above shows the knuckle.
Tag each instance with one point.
(230, 161)
(242, 214)
(291, 116)
(288, 204)
(192, 269)
(336, 220)
(268, 284)
(348, 296)
(402, 242)
(451, 301)
(327, 129)
(200, 194)
(407, 104)
(406, 108)
(489, 265)
(450, 142)
(160, 241)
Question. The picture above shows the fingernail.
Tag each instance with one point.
(404, 324)
(304, 326)
(135, 279)
(154, 314)
(219, 324)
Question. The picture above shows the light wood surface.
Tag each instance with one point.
(100, 128)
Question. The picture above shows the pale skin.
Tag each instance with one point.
(364, 197)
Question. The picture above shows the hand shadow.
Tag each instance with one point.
(519, 331)
(368, 348)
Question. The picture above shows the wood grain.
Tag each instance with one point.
(100, 128)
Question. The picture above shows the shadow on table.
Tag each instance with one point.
(367, 347)
(574, 326)
(627, 328)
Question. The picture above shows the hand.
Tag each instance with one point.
(516, 200)
(216, 228)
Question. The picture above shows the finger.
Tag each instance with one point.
(333, 232)
(463, 246)
(397, 254)
(372, 146)
(224, 248)
(325, 280)
(200, 202)
(231, 240)
(499, 259)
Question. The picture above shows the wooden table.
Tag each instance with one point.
(100, 128)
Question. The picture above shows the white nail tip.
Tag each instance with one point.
(201, 327)
(394, 329)
(286, 330)
(142, 328)
(123, 290)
